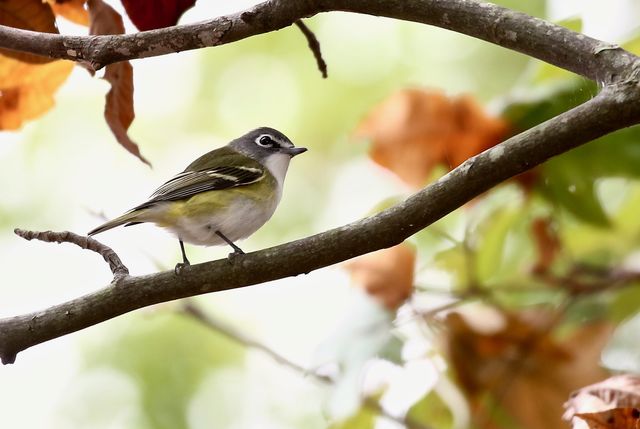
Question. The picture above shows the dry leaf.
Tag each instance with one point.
(609, 400)
(386, 274)
(520, 361)
(415, 130)
(28, 15)
(104, 19)
(150, 14)
(616, 418)
(73, 10)
(28, 82)
(547, 244)
(118, 110)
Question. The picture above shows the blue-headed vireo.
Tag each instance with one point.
(223, 196)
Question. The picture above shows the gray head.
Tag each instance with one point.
(264, 142)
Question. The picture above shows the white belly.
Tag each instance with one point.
(237, 222)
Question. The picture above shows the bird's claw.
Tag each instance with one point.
(234, 255)
(180, 266)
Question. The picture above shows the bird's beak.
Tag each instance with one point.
(293, 151)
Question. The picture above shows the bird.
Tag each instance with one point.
(223, 196)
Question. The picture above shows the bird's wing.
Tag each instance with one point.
(189, 183)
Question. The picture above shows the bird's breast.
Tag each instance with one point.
(236, 219)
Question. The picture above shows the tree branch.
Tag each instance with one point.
(314, 46)
(616, 107)
(535, 37)
(116, 266)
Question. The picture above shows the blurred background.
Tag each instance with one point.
(502, 263)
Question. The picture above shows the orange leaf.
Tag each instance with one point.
(118, 110)
(415, 130)
(73, 10)
(28, 82)
(547, 244)
(386, 274)
(616, 418)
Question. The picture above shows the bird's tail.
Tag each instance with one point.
(129, 218)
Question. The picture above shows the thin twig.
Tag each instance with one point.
(189, 308)
(314, 45)
(118, 269)
(430, 314)
(234, 334)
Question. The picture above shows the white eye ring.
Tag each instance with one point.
(265, 140)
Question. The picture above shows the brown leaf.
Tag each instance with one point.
(547, 243)
(118, 110)
(73, 10)
(28, 82)
(103, 18)
(386, 274)
(520, 361)
(415, 130)
(616, 418)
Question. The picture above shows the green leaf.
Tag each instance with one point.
(167, 355)
(568, 180)
(365, 418)
(490, 252)
(540, 103)
(607, 247)
(625, 303)
(431, 410)
(626, 217)
(566, 186)
(453, 261)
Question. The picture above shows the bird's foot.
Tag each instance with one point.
(180, 266)
(237, 252)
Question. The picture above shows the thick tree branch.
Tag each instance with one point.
(557, 45)
(617, 106)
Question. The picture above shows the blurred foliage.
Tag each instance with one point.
(542, 253)
(167, 356)
(365, 418)
(432, 409)
(557, 239)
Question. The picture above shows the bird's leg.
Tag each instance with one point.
(236, 250)
(185, 262)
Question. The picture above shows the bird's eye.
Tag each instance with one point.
(266, 141)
